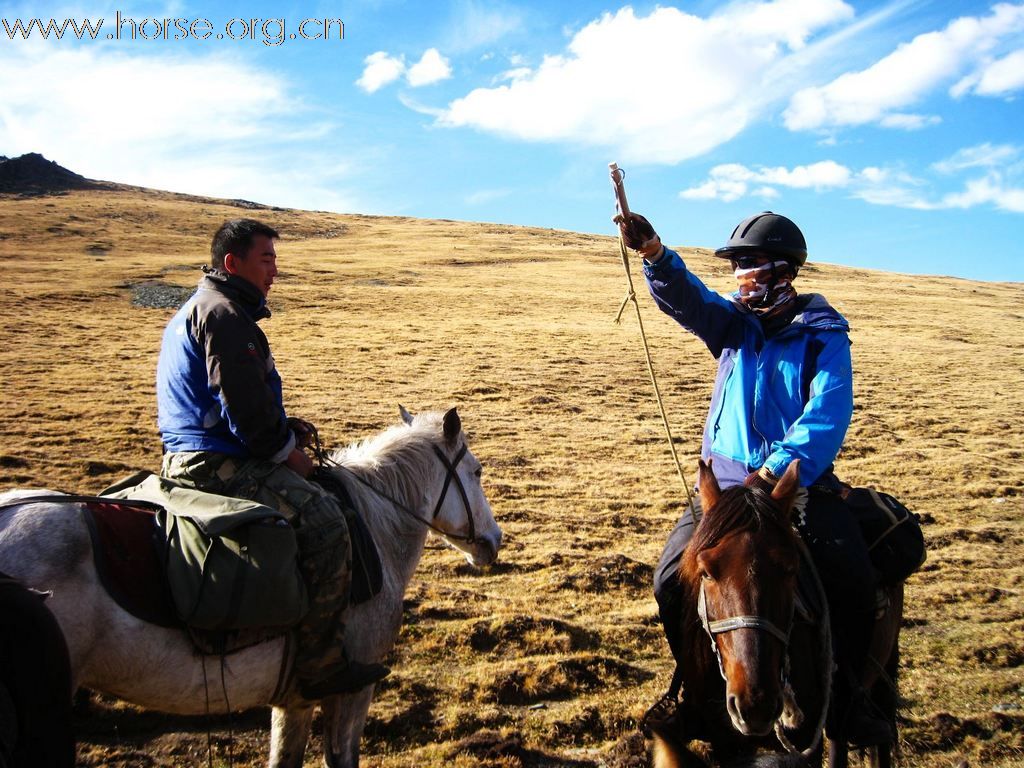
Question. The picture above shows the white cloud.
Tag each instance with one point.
(909, 122)
(164, 122)
(476, 24)
(990, 189)
(894, 188)
(985, 155)
(431, 68)
(732, 181)
(879, 186)
(905, 76)
(656, 88)
(517, 73)
(997, 78)
(381, 69)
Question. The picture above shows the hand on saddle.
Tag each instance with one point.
(639, 235)
(303, 430)
(763, 479)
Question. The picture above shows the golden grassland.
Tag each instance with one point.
(549, 657)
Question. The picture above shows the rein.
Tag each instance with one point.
(326, 462)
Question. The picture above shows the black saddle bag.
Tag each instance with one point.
(892, 532)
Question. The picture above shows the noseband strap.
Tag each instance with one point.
(747, 622)
(736, 622)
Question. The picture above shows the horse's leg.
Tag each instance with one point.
(670, 753)
(344, 719)
(838, 753)
(289, 732)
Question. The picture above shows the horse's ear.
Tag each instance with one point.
(710, 490)
(406, 416)
(785, 490)
(452, 425)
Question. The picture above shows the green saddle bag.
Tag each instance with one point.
(230, 563)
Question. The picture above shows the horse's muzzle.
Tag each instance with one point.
(753, 718)
(485, 550)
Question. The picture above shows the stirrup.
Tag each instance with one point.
(661, 715)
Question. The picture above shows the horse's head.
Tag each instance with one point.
(461, 513)
(742, 563)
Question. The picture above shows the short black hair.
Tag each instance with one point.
(235, 236)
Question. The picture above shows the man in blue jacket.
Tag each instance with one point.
(784, 391)
(224, 430)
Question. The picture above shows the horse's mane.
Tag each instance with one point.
(738, 509)
(395, 458)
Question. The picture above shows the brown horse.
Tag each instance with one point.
(757, 666)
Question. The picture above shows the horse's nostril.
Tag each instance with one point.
(732, 706)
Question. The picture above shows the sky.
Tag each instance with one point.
(890, 132)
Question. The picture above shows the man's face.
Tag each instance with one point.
(259, 266)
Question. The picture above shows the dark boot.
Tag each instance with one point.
(864, 726)
(352, 677)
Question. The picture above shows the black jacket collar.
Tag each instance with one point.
(237, 289)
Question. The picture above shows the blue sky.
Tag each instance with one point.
(889, 131)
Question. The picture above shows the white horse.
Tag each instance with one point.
(409, 477)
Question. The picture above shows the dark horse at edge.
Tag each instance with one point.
(758, 660)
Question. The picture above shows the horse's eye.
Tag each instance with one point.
(706, 576)
(479, 471)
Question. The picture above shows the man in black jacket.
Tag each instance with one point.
(224, 430)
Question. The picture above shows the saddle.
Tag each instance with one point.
(130, 553)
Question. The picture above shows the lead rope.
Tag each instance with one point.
(620, 197)
(617, 175)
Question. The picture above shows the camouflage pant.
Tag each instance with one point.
(325, 550)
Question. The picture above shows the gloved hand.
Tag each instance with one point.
(762, 479)
(638, 234)
(303, 430)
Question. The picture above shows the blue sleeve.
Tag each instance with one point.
(818, 433)
(683, 297)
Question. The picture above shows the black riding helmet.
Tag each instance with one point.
(767, 233)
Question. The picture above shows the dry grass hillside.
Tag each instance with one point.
(549, 657)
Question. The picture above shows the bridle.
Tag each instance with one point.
(721, 626)
(791, 714)
(451, 467)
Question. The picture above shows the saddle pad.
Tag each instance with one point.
(125, 542)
